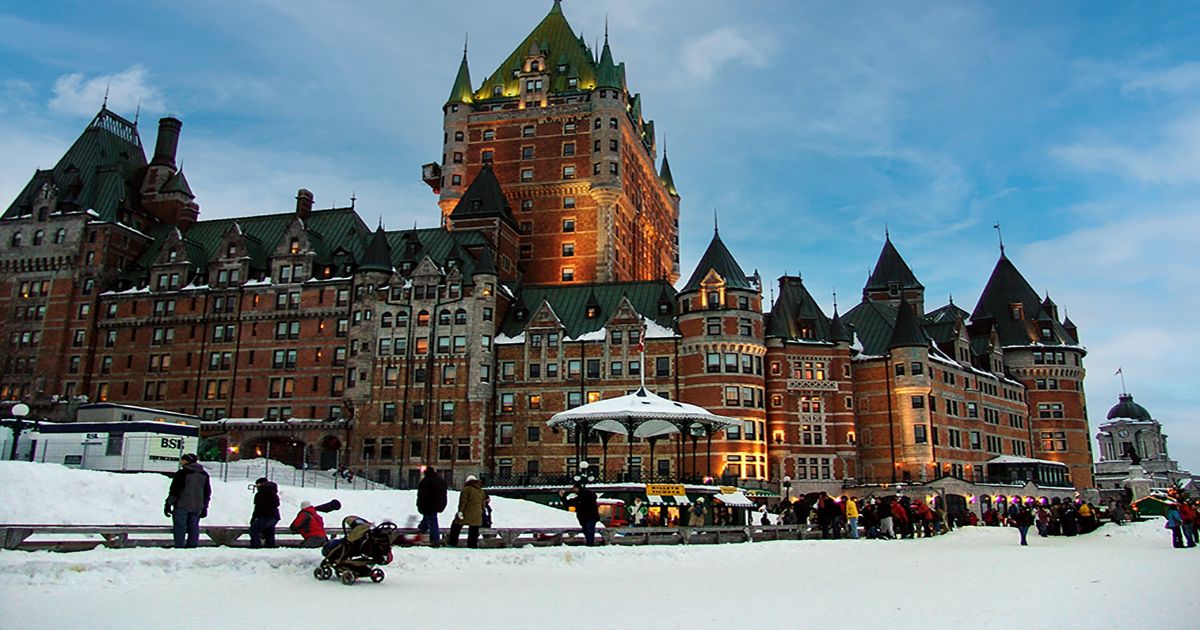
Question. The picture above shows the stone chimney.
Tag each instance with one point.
(167, 143)
(304, 203)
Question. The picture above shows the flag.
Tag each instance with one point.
(1118, 372)
(641, 346)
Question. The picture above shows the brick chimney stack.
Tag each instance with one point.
(167, 143)
(304, 203)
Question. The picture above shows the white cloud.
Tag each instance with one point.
(1174, 159)
(1175, 79)
(705, 55)
(78, 95)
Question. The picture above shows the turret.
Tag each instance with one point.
(456, 113)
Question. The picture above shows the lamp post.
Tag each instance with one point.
(583, 476)
(18, 425)
(787, 488)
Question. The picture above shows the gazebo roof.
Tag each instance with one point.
(648, 414)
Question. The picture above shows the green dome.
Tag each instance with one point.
(1128, 409)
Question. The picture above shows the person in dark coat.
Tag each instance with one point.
(1023, 519)
(266, 514)
(586, 510)
(431, 501)
(187, 501)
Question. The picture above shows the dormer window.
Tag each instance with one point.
(1046, 334)
(592, 312)
(1017, 310)
(893, 289)
(172, 255)
(231, 251)
(572, 83)
(535, 66)
(562, 67)
(714, 299)
(497, 90)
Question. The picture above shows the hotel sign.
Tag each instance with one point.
(806, 384)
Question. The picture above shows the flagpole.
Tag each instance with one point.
(642, 351)
(1121, 373)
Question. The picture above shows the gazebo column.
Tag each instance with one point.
(629, 462)
(604, 438)
(708, 468)
(653, 464)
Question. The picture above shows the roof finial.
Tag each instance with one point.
(466, 37)
(951, 296)
(137, 112)
(107, 87)
(999, 235)
(605, 28)
(887, 234)
(835, 299)
(716, 227)
(354, 197)
(380, 216)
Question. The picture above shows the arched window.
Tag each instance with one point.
(39, 236)
(423, 318)
(385, 320)
(444, 317)
(60, 236)
(460, 316)
(16, 239)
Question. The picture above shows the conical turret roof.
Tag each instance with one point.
(378, 254)
(717, 258)
(462, 92)
(486, 265)
(907, 332)
(890, 267)
(608, 74)
(837, 329)
(1005, 288)
(177, 183)
(664, 174)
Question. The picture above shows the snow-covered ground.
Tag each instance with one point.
(978, 577)
(53, 494)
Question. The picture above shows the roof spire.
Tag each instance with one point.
(466, 38)
(461, 92)
(606, 27)
(835, 300)
(107, 87)
(716, 227)
(887, 234)
(354, 198)
(999, 235)
(137, 112)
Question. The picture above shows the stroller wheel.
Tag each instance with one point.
(377, 575)
(348, 578)
(322, 572)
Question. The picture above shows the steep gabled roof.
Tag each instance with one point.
(796, 304)
(570, 304)
(717, 258)
(890, 267)
(461, 92)
(104, 163)
(329, 230)
(553, 36)
(437, 243)
(664, 175)
(873, 323)
(484, 199)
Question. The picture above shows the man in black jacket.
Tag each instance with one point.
(431, 500)
(266, 514)
(586, 510)
(187, 501)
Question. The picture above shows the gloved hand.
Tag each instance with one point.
(167, 509)
(459, 516)
(204, 512)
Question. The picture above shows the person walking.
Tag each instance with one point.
(1175, 524)
(470, 513)
(431, 501)
(265, 516)
(883, 510)
(1187, 516)
(851, 516)
(1116, 512)
(187, 501)
(587, 511)
(1023, 519)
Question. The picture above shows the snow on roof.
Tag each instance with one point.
(735, 499)
(655, 415)
(655, 330)
(503, 339)
(600, 334)
(129, 291)
(255, 283)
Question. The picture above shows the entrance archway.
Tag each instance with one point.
(330, 449)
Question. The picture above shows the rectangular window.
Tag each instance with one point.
(568, 225)
(919, 435)
(526, 174)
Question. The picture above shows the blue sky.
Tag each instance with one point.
(807, 126)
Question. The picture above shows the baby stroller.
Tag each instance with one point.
(356, 554)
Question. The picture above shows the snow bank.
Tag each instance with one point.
(32, 493)
(976, 578)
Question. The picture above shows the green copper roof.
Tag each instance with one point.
(1127, 409)
(664, 174)
(438, 244)
(907, 332)
(177, 183)
(794, 308)
(570, 304)
(717, 258)
(461, 92)
(890, 267)
(608, 74)
(873, 323)
(99, 172)
(378, 255)
(554, 37)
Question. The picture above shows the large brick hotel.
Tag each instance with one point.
(555, 256)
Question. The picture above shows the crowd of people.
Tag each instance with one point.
(884, 518)
(1183, 521)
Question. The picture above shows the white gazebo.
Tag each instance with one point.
(641, 414)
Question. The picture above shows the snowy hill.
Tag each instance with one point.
(32, 493)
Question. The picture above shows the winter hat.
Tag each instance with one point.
(471, 478)
(260, 481)
(305, 504)
(188, 458)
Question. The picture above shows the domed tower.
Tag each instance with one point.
(455, 116)
(722, 352)
(1133, 445)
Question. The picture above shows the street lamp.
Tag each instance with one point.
(18, 425)
(787, 488)
(583, 476)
